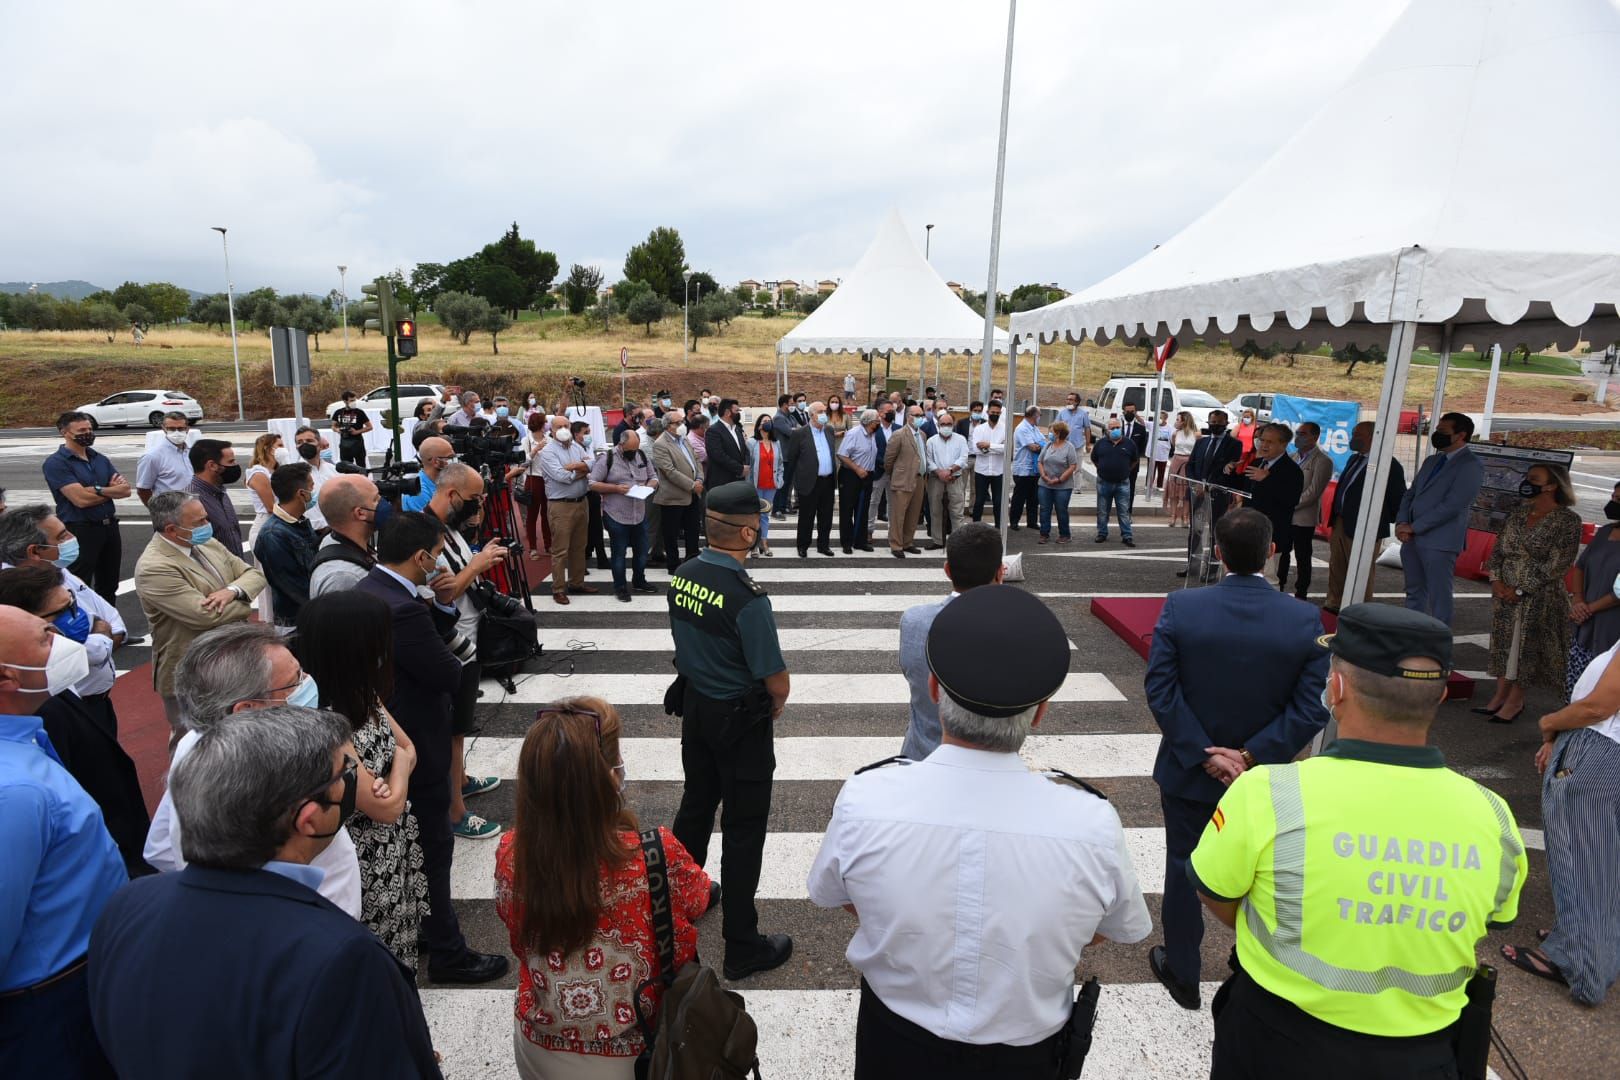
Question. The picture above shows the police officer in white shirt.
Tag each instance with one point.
(977, 882)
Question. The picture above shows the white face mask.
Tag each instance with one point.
(563, 435)
(178, 438)
(680, 431)
(67, 666)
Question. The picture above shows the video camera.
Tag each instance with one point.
(480, 446)
(393, 480)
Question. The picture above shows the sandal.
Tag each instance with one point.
(1535, 962)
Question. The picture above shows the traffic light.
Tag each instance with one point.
(405, 338)
(377, 309)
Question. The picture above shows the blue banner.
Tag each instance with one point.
(1335, 418)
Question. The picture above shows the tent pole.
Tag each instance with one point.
(1035, 387)
(1007, 454)
(1439, 392)
(995, 218)
(936, 370)
(922, 372)
(1073, 350)
(1153, 430)
(1397, 368)
(1490, 392)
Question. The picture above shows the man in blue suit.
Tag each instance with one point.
(972, 558)
(1432, 524)
(277, 981)
(1234, 680)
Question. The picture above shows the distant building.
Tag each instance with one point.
(825, 286)
(955, 287)
(751, 285)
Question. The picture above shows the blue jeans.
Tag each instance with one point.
(635, 538)
(769, 495)
(1115, 493)
(1057, 498)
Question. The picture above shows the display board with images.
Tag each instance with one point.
(1505, 467)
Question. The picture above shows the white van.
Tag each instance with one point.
(1132, 389)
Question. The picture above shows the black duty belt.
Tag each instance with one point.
(571, 498)
(45, 984)
(984, 1057)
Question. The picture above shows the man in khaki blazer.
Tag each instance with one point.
(187, 583)
(679, 494)
(903, 464)
(1318, 470)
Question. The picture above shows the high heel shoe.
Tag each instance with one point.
(1486, 710)
(1498, 718)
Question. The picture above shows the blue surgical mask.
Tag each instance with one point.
(326, 455)
(821, 418)
(1114, 432)
(979, 417)
(501, 410)
(67, 552)
(202, 533)
(74, 623)
(380, 512)
(946, 429)
(584, 440)
(308, 695)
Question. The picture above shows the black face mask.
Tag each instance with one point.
(465, 512)
(345, 804)
(1440, 441)
(308, 451)
(1529, 490)
(86, 439)
(1611, 510)
(1217, 429)
(230, 474)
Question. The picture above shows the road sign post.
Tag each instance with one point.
(624, 365)
(289, 360)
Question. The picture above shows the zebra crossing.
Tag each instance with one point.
(838, 620)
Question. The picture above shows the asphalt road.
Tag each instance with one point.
(846, 711)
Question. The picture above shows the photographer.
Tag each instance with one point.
(434, 452)
(612, 476)
(458, 505)
(353, 510)
(351, 425)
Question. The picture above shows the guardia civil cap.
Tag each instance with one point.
(740, 497)
(998, 650)
(1380, 637)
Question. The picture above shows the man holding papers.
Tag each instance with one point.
(624, 477)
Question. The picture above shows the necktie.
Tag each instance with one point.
(208, 567)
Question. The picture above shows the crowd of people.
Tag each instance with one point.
(320, 677)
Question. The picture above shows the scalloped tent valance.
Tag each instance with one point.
(1462, 175)
(892, 301)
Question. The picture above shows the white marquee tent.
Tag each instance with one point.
(1457, 190)
(892, 301)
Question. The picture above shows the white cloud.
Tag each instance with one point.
(774, 137)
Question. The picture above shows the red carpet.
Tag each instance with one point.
(1133, 619)
(143, 730)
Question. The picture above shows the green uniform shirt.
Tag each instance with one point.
(1366, 877)
(725, 631)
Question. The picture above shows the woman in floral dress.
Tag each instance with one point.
(346, 641)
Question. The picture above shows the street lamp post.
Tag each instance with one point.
(343, 298)
(928, 236)
(686, 313)
(230, 303)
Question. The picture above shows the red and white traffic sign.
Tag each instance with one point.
(624, 358)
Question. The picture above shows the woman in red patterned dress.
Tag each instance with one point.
(571, 886)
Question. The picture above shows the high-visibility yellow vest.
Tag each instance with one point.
(1367, 876)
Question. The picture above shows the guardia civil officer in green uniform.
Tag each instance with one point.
(1359, 881)
(733, 684)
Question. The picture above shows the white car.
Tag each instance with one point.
(1260, 403)
(410, 396)
(141, 407)
(1200, 405)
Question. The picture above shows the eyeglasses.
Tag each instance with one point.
(71, 609)
(270, 694)
(348, 774)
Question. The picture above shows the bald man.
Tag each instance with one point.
(434, 454)
(353, 509)
(814, 468)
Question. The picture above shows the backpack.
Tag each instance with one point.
(703, 1032)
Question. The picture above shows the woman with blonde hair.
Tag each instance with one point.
(1183, 437)
(571, 887)
(1530, 624)
(267, 452)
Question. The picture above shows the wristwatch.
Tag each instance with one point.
(1248, 758)
(98, 489)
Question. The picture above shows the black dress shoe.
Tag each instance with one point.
(933, 546)
(826, 551)
(714, 897)
(771, 951)
(1181, 573)
(1181, 993)
(804, 553)
(1128, 542)
(643, 587)
(897, 553)
(473, 967)
(913, 550)
(864, 547)
(623, 595)
(848, 550)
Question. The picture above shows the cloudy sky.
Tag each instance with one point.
(773, 136)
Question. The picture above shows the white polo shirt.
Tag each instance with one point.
(978, 883)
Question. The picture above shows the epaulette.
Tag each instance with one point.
(898, 759)
(753, 586)
(1058, 776)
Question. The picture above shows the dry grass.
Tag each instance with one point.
(51, 370)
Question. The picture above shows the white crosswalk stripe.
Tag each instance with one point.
(786, 869)
(638, 688)
(830, 639)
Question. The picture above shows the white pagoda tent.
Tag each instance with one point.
(892, 301)
(1457, 190)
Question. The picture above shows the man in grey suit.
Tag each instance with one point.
(679, 495)
(1318, 470)
(972, 558)
(1432, 524)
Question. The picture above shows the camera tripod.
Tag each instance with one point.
(500, 525)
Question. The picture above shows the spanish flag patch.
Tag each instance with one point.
(1219, 819)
